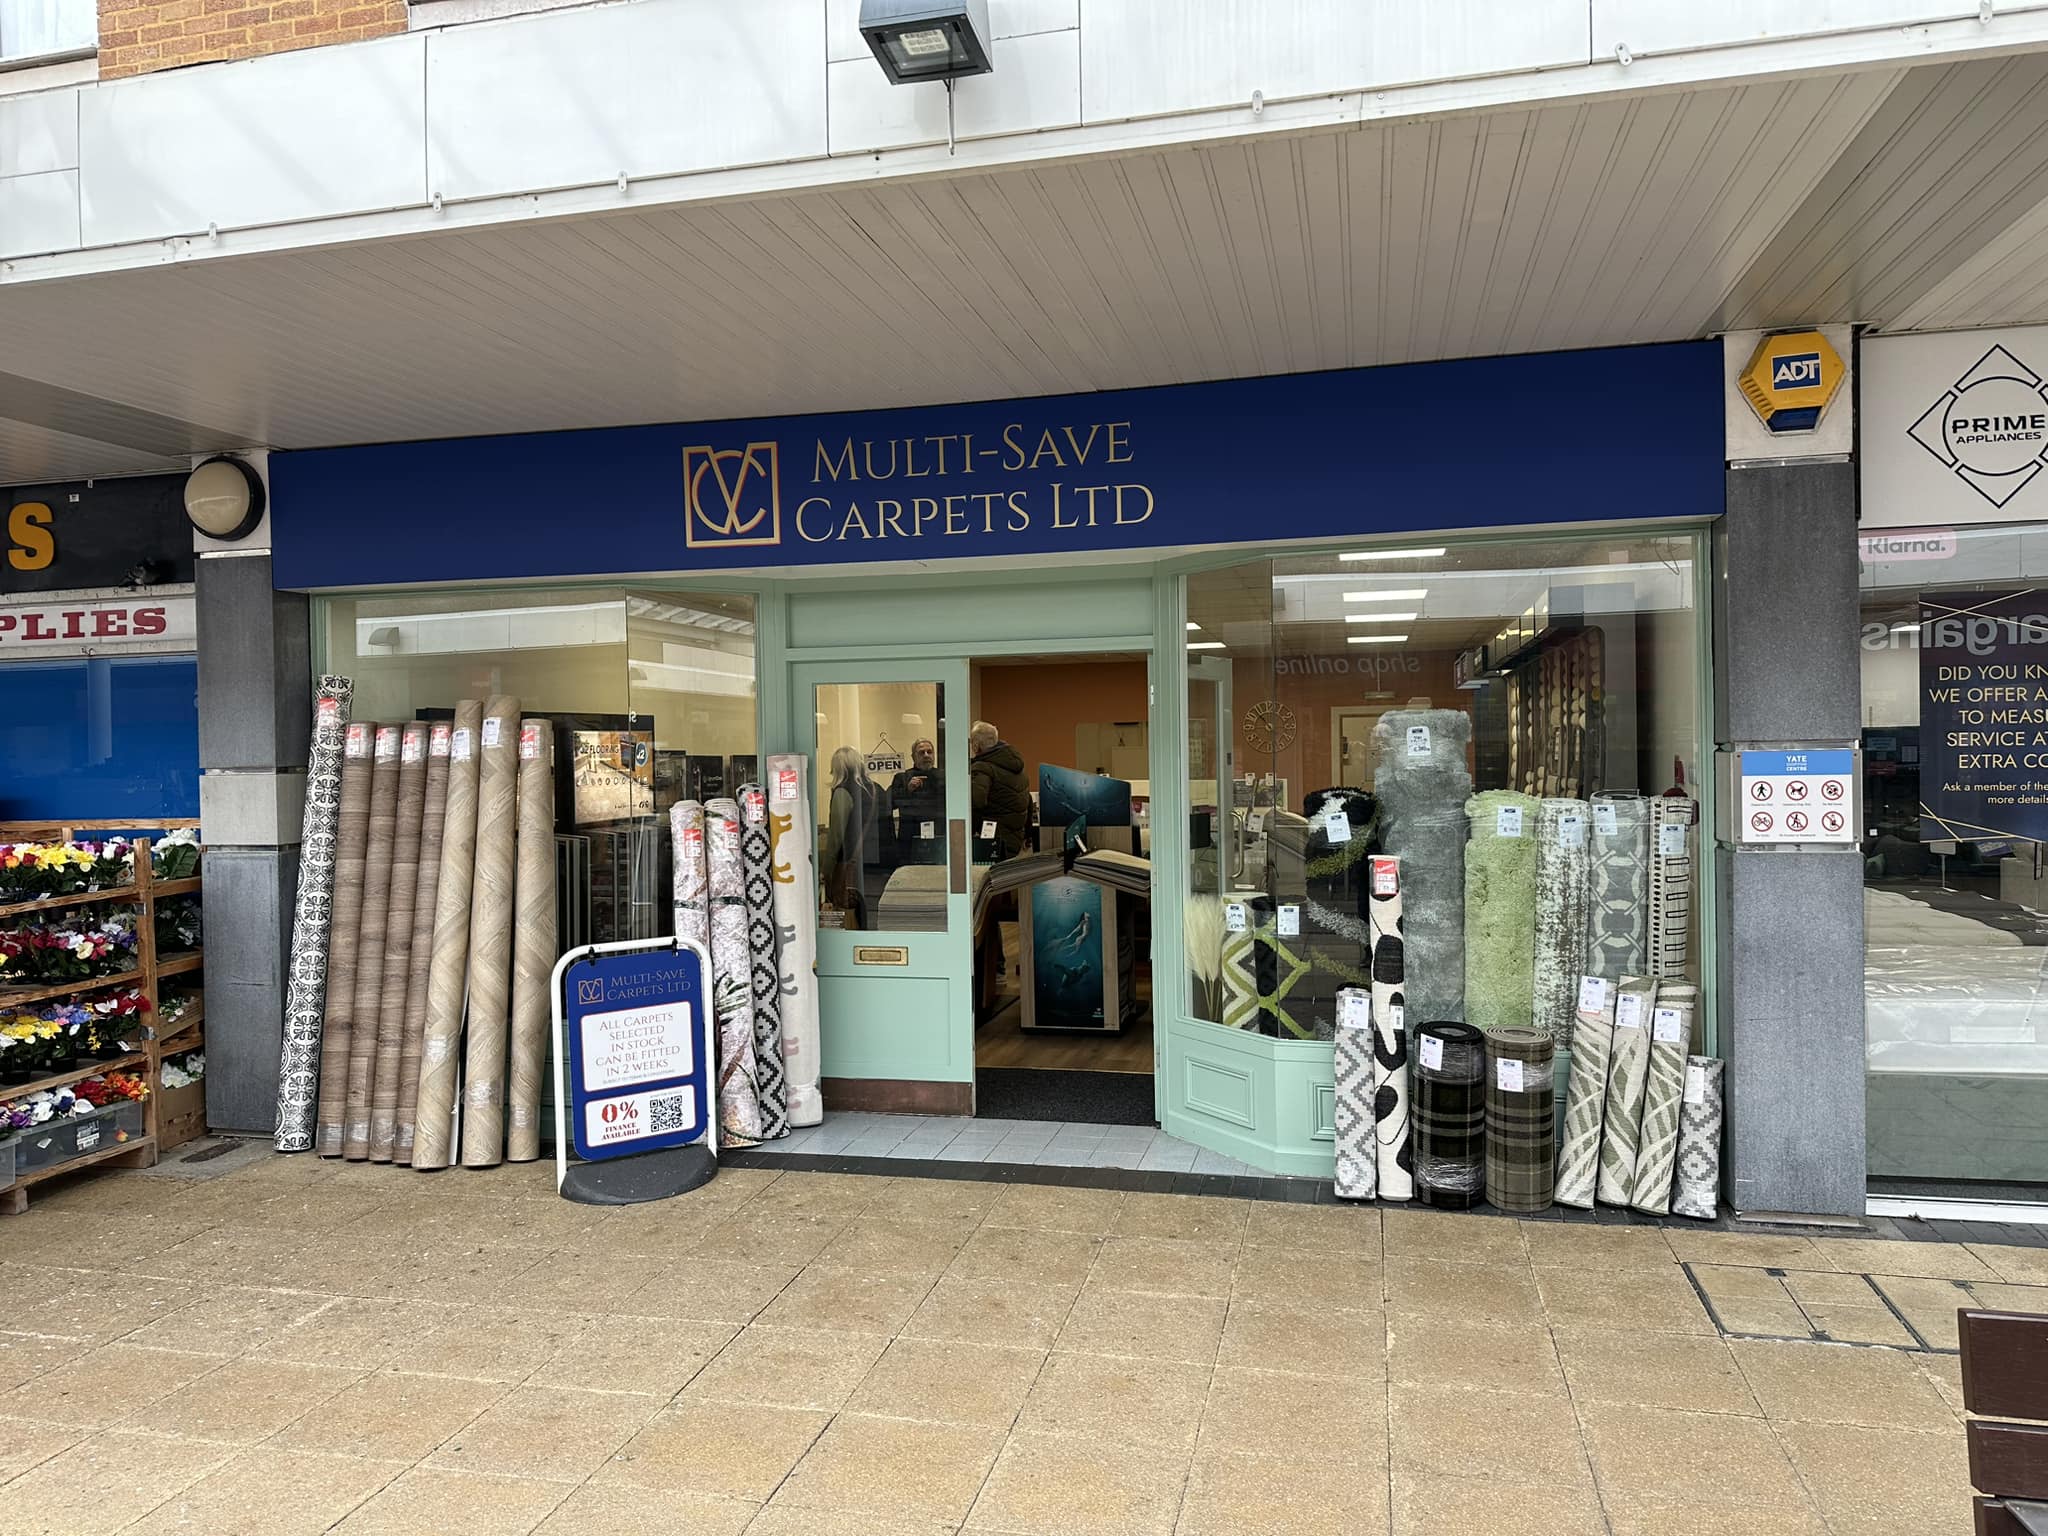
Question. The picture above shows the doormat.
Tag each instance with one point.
(1084, 1098)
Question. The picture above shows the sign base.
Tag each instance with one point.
(647, 1176)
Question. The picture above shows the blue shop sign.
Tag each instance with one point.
(1619, 433)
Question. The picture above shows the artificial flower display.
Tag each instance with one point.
(175, 856)
(183, 1071)
(71, 948)
(177, 924)
(32, 871)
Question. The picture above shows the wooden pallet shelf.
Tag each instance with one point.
(135, 1152)
(78, 1075)
(21, 997)
(179, 961)
(14, 909)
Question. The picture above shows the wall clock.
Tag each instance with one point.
(1269, 726)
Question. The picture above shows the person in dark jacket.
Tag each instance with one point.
(917, 799)
(1000, 793)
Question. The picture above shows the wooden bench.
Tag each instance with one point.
(2005, 1375)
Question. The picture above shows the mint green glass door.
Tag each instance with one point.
(887, 742)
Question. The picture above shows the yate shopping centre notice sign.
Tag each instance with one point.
(1984, 716)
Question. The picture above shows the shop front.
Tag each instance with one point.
(1108, 702)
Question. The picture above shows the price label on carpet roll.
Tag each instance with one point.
(326, 712)
(1254, 823)
(357, 742)
(988, 830)
(494, 728)
(1507, 1074)
(1671, 840)
(1571, 830)
(927, 829)
(387, 743)
(1386, 876)
(529, 740)
(1695, 1083)
(1418, 741)
(1507, 821)
(785, 783)
(1592, 994)
(412, 747)
(1290, 922)
(1235, 918)
(1628, 1011)
(1605, 821)
(1667, 1026)
(1397, 1018)
(437, 741)
(459, 747)
(1354, 1008)
(1337, 825)
(1433, 1052)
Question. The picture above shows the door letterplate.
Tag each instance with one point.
(881, 954)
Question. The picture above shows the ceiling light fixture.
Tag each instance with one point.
(1193, 626)
(1205, 645)
(1389, 595)
(1381, 618)
(1374, 639)
(1392, 554)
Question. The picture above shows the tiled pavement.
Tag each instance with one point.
(293, 1346)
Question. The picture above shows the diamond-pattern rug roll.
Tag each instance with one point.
(770, 1083)
(345, 949)
(363, 1037)
(534, 940)
(1628, 1070)
(1450, 1115)
(1422, 782)
(305, 1003)
(1697, 1188)
(433, 813)
(1333, 938)
(1500, 910)
(1358, 1153)
(1390, 1040)
(1280, 970)
(1564, 859)
(1521, 1120)
(397, 943)
(490, 936)
(1671, 833)
(1657, 1145)
(732, 975)
(1618, 887)
(1578, 1157)
(433, 1139)
(1240, 967)
(792, 836)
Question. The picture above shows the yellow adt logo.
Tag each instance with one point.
(1790, 379)
(732, 496)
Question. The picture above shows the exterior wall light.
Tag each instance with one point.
(920, 40)
(224, 499)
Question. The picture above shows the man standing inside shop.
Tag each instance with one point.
(917, 795)
(1001, 797)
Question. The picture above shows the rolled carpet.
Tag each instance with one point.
(791, 831)
(305, 1002)
(1357, 1147)
(1564, 859)
(397, 944)
(1697, 1189)
(1422, 783)
(363, 1038)
(1240, 966)
(1618, 887)
(344, 955)
(448, 970)
(771, 1084)
(1332, 900)
(1390, 1040)
(433, 813)
(692, 879)
(1628, 1069)
(1670, 935)
(732, 983)
(490, 936)
(534, 941)
(1500, 910)
(1657, 1145)
(1521, 1120)
(1450, 1115)
(1280, 969)
(1578, 1158)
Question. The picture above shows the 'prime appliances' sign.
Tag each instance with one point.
(1955, 428)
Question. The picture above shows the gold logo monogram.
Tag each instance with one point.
(733, 496)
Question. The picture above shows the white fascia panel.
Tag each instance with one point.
(1659, 26)
(1036, 85)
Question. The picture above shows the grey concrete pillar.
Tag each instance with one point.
(255, 713)
(1791, 921)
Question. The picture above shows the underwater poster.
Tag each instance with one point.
(1067, 954)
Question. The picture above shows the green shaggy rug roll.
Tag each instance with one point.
(1500, 910)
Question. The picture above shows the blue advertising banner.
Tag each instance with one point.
(1563, 437)
(1984, 716)
(635, 1041)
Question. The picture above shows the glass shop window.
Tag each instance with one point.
(1486, 753)
(651, 696)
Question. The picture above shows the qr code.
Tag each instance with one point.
(667, 1113)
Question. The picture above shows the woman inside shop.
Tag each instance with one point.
(851, 835)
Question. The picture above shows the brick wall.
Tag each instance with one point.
(137, 36)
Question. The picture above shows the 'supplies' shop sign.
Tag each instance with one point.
(1984, 716)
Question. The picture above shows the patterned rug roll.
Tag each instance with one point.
(397, 943)
(433, 1141)
(1578, 1158)
(1618, 887)
(1697, 1189)
(1657, 1145)
(1357, 1145)
(692, 877)
(771, 1086)
(1500, 910)
(1450, 1115)
(1422, 782)
(305, 1003)
(1280, 970)
(1521, 1121)
(732, 978)
(1240, 967)
(1671, 836)
(363, 1036)
(1342, 824)
(1628, 1071)
(433, 812)
(534, 940)
(792, 831)
(1564, 860)
(490, 936)
(1390, 1039)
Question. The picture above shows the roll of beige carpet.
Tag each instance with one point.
(434, 1127)
(421, 961)
(490, 936)
(533, 944)
(405, 881)
(351, 831)
(362, 1045)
